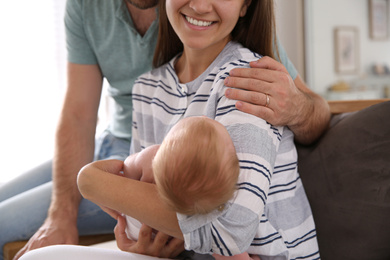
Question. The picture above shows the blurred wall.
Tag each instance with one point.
(322, 17)
(289, 23)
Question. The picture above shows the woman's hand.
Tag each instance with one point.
(161, 245)
(266, 90)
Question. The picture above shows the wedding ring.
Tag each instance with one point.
(267, 101)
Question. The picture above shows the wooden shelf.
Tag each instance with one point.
(343, 106)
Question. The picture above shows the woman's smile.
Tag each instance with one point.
(204, 24)
(197, 22)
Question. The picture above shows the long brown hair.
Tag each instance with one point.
(255, 31)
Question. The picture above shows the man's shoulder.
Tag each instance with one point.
(95, 7)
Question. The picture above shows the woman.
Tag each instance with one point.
(202, 40)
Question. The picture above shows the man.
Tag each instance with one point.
(115, 40)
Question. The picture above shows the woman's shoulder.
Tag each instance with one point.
(162, 72)
(235, 55)
(162, 78)
(245, 54)
(242, 52)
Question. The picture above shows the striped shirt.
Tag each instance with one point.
(269, 214)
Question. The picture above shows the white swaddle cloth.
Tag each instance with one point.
(132, 227)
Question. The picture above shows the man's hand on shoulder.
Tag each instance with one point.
(266, 90)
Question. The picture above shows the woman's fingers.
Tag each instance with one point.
(122, 241)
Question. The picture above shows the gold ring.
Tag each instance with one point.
(267, 101)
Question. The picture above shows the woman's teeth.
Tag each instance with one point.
(197, 22)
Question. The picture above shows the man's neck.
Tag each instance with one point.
(142, 19)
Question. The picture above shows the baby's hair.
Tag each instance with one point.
(193, 175)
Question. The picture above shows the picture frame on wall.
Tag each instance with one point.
(346, 47)
(379, 19)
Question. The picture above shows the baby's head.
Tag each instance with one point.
(196, 167)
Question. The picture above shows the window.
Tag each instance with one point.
(32, 63)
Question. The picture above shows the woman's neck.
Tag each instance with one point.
(192, 63)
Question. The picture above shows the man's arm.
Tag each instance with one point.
(313, 120)
(74, 147)
(75, 137)
(291, 102)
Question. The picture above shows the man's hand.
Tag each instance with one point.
(51, 233)
(266, 90)
(266, 77)
(161, 245)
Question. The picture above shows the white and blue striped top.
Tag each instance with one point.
(270, 214)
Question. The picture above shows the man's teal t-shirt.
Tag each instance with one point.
(102, 32)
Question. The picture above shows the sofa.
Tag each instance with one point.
(346, 175)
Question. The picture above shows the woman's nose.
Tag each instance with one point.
(201, 6)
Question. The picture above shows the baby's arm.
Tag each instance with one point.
(102, 183)
(138, 166)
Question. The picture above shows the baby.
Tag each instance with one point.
(195, 169)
